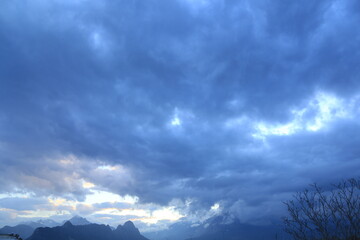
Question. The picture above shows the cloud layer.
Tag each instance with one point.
(233, 102)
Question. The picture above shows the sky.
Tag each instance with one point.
(160, 110)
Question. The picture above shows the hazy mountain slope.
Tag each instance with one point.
(235, 230)
(177, 231)
(48, 222)
(23, 230)
(223, 227)
(42, 223)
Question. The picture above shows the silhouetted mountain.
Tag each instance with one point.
(88, 232)
(23, 230)
(128, 231)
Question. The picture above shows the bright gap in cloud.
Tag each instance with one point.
(97, 203)
(320, 111)
(88, 185)
(215, 207)
(180, 119)
(165, 213)
(141, 211)
(61, 202)
(143, 214)
(168, 213)
(58, 206)
(15, 195)
(329, 108)
(123, 212)
(108, 167)
(98, 196)
(175, 121)
(42, 213)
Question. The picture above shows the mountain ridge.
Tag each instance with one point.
(90, 231)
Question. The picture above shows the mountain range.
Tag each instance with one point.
(26, 229)
(88, 232)
(223, 227)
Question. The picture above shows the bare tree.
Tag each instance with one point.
(328, 215)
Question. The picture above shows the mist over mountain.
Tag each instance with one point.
(240, 231)
(177, 231)
(219, 228)
(42, 223)
(48, 222)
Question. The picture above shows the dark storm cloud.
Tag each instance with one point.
(103, 81)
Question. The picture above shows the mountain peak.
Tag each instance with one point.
(129, 225)
(128, 231)
(68, 224)
(77, 220)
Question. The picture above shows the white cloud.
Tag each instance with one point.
(98, 196)
(42, 213)
(320, 111)
(175, 121)
(329, 108)
(215, 207)
(16, 194)
(180, 118)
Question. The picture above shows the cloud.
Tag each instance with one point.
(240, 102)
(21, 203)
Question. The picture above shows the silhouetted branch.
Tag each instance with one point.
(330, 215)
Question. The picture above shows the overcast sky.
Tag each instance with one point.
(153, 110)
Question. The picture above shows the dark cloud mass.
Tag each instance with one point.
(236, 102)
